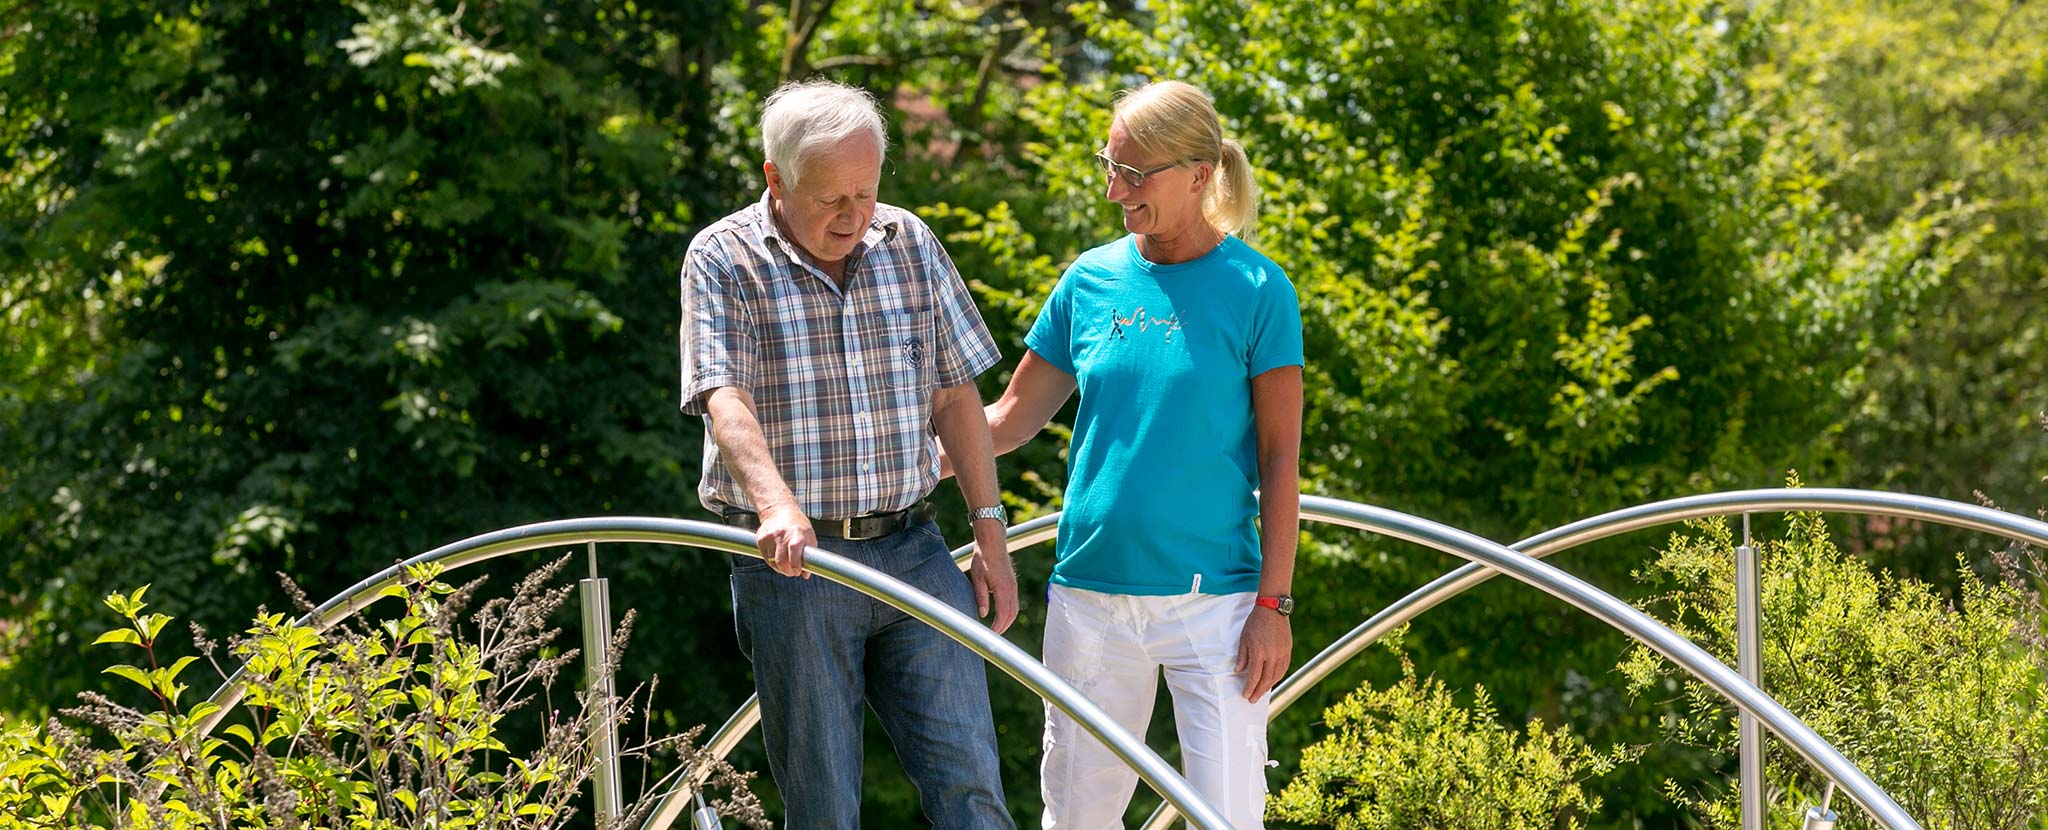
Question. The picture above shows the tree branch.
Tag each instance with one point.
(803, 21)
(885, 61)
(972, 120)
(2010, 9)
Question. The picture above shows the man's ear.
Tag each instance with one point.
(776, 187)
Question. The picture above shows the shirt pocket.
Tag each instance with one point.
(906, 363)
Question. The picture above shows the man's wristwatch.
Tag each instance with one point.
(1282, 603)
(997, 513)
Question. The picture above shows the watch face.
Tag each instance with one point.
(1286, 606)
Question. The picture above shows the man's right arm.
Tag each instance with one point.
(719, 358)
(785, 531)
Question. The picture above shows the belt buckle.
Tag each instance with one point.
(846, 530)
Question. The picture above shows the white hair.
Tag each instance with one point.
(802, 118)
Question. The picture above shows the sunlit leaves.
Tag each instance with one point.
(1410, 755)
(1936, 699)
(426, 41)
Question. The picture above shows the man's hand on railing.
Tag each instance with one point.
(784, 535)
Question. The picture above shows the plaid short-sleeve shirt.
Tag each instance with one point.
(842, 380)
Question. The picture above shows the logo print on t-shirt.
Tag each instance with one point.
(913, 351)
(1143, 322)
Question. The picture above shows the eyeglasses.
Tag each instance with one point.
(1132, 176)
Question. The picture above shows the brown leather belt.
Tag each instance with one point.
(856, 529)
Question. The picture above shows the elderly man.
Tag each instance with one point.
(826, 338)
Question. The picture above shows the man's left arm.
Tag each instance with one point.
(962, 430)
(963, 351)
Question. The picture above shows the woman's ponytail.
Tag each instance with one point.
(1232, 200)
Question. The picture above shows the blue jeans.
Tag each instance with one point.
(820, 649)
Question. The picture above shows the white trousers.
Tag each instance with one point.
(1112, 647)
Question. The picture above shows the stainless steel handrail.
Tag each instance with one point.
(961, 627)
(1368, 519)
(1575, 533)
(1637, 625)
(1614, 523)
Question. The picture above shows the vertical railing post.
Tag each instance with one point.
(597, 680)
(1820, 818)
(1749, 663)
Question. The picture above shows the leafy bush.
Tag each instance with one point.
(392, 726)
(1410, 756)
(1938, 701)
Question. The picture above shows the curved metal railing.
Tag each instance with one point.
(961, 627)
(1490, 557)
(1486, 559)
(1593, 529)
(1615, 523)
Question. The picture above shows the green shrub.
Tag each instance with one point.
(396, 725)
(1938, 701)
(1410, 756)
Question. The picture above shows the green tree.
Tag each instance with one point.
(1900, 99)
(309, 288)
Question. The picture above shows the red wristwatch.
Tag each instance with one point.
(1282, 603)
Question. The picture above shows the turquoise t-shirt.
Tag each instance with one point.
(1164, 458)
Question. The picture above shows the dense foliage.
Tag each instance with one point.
(1901, 99)
(1553, 259)
(1939, 702)
(313, 287)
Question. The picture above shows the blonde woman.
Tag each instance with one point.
(1176, 548)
